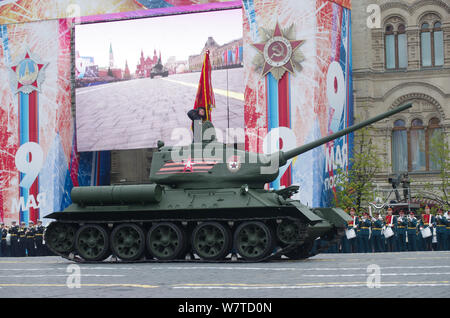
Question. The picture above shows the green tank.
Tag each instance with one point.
(206, 202)
(159, 70)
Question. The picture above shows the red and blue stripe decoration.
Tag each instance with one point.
(279, 114)
(29, 132)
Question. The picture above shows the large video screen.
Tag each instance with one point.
(137, 79)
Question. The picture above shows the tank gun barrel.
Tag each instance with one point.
(302, 149)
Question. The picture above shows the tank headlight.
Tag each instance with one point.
(244, 188)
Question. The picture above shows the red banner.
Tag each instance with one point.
(205, 94)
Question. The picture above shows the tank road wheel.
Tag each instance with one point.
(60, 237)
(128, 242)
(211, 240)
(289, 232)
(253, 240)
(165, 241)
(92, 242)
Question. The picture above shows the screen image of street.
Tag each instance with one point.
(137, 79)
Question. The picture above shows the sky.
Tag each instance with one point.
(176, 35)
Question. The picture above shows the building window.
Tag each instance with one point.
(434, 132)
(438, 35)
(396, 47)
(412, 146)
(399, 147)
(417, 142)
(432, 44)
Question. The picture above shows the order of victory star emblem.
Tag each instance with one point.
(278, 52)
(27, 74)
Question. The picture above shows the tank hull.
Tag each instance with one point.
(201, 208)
(187, 209)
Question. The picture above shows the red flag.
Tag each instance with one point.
(205, 93)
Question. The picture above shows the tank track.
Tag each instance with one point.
(275, 255)
(303, 254)
(337, 238)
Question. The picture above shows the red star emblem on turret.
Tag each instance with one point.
(188, 166)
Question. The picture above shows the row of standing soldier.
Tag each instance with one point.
(24, 241)
(394, 233)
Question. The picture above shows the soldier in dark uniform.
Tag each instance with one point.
(14, 235)
(6, 247)
(344, 240)
(2, 241)
(448, 230)
(412, 232)
(198, 116)
(359, 242)
(427, 221)
(38, 238)
(377, 225)
(22, 239)
(353, 224)
(29, 239)
(441, 224)
(365, 225)
(390, 222)
(402, 224)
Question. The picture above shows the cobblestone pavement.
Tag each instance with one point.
(137, 113)
(413, 274)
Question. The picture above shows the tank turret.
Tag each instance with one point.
(210, 164)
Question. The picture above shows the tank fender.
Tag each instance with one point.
(306, 212)
(335, 216)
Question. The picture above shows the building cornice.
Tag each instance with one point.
(415, 6)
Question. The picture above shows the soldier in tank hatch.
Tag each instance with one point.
(198, 116)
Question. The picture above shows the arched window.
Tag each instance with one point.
(399, 147)
(412, 146)
(417, 142)
(434, 135)
(432, 44)
(396, 47)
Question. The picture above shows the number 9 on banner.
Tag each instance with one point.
(280, 138)
(29, 160)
